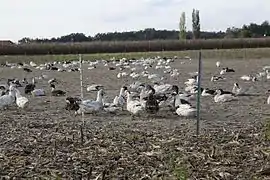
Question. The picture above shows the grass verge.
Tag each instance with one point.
(254, 53)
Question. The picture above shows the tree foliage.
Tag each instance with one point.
(182, 26)
(251, 30)
(196, 27)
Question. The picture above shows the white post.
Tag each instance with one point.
(81, 80)
(199, 94)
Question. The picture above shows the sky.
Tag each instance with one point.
(55, 18)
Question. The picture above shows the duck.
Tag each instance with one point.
(224, 92)
(165, 88)
(32, 64)
(94, 87)
(21, 101)
(151, 104)
(237, 90)
(186, 111)
(136, 86)
(186, 96)
(27, 69)
(268, 99)
(111, 108)
(218, 64)
(180, 101)
(191, 82)
(155, 77)
(247, 78)
(51, 81)
(223, 71)
(217, 78)
(72, 103)
(8, 99)
(134, 106)
(57, 92)
(120, 99)
(220, 97)
(38, 92)
(92, 106)
(2, 90)
(148, 100)
(208, 92)
(30, 87)
(228, 69)
(14, 82)
(184, 108)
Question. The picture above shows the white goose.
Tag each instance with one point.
(91, 106)
(21, 101)
(133, 105)
(220, 97)
(8, 99)
(237, 90)
(120, 99)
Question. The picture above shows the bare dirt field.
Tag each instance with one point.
(44, 141)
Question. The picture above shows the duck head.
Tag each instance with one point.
(125, 88)
(267, 92)
(236, 85)
(175, 90)
(52, 86)
(218, 92)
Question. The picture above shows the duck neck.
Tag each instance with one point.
(128, 97)
(122, 90)
(17, 93)
(12, 93)
(99, 97)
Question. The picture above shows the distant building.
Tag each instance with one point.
(6, 43)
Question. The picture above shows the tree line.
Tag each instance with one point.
(246, 31)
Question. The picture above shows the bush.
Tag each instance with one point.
(131, 46)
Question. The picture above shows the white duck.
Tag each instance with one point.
(186, 96)
(21, 101)
(186, 111)
(218, 64)
(133, 105)
(162, 88)
(120, 99)
(191, 82)
(33, 64)
(118, 102)
(217, 78)
(184, 108)
(38, 92)
(268, 99)
(220, 97)
(91, 106)
(94, 87)
(8, 99)
(208, 92)
(237, 90)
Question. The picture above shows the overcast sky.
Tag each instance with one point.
(54, 18)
